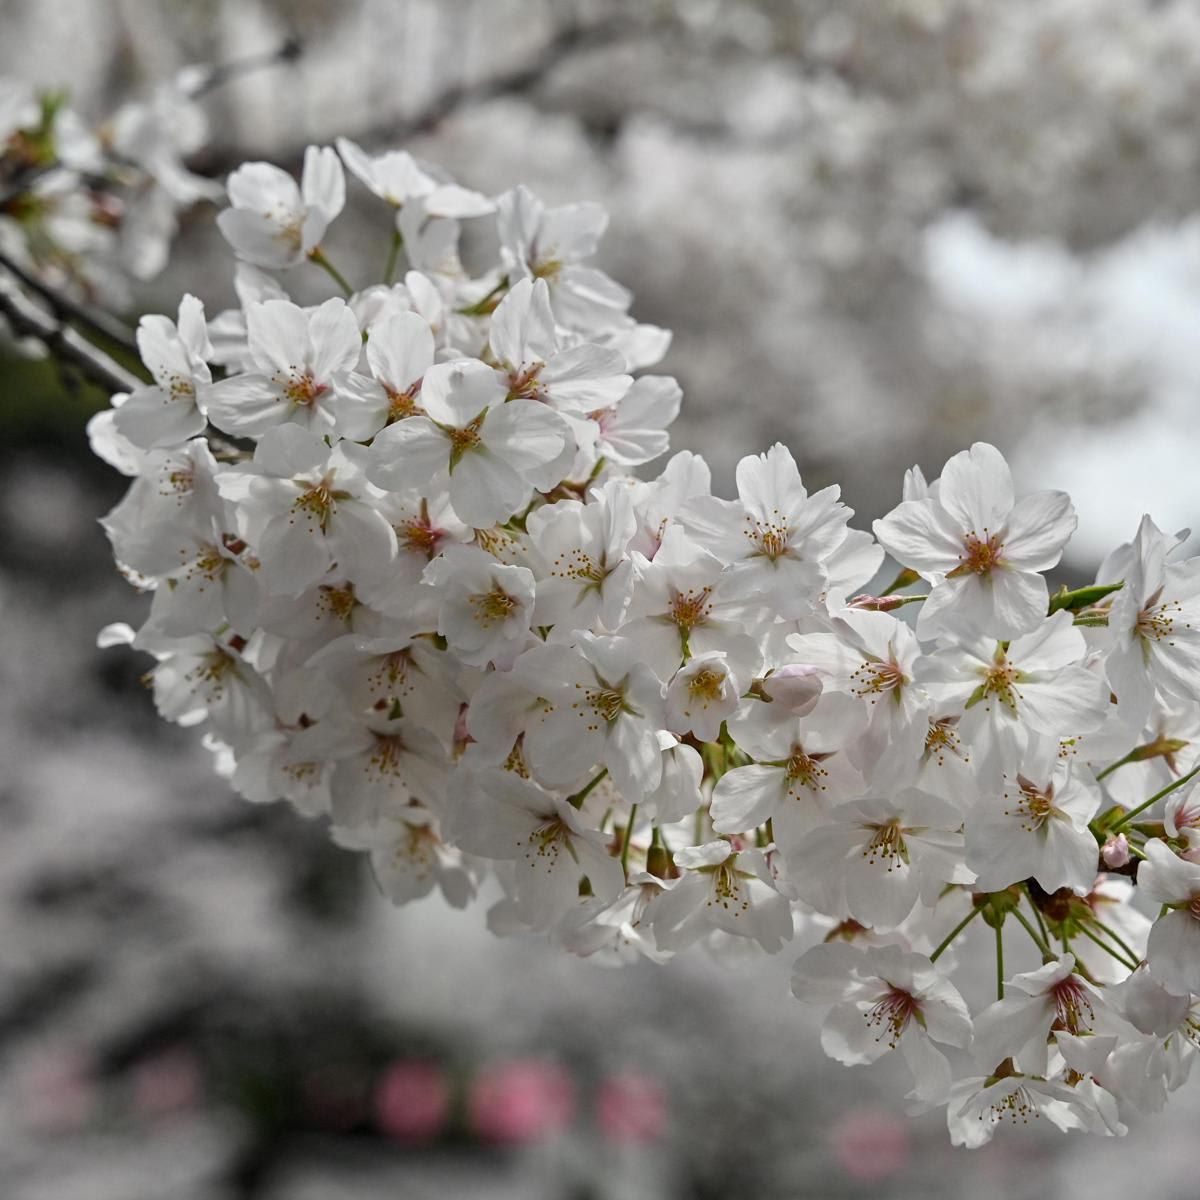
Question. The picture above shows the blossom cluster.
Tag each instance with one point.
(404, 578)
(84, 210)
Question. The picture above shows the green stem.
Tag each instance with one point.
(1133, 812)
(945, 943)
(1087, 933)
(389, 268)
(628, 838)
(1000, 960)
(1116, 937)
(317, 255)
(1029, 929)
(576, 801)
(1113, 766)
(1083, 597)
(1037, 916)
(906, 578)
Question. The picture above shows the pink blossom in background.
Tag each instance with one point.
(521, 1101)
(412, 1101)
(58, 1090)
(631, 1107)
(870, 1144)
(167, 1084)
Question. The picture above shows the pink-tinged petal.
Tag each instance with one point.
(484, 489)
(1007, 1026)
(921, 535)
(408, 454)
(400, 350)
(258, 239)
(1165, 878)
(150, 418)
(770, 483)
(334, 339)
(245, 405)
(527, 435)
(456, 392)
(1054, 643)
(976, 489)
(848, 1037)
(522, 328)
(323, 183)
(930, 1070)
(746, 797)
(263, 187)
(294, 555)
(1038, 528)
(1019, 602)
(1173, 952)
(450, 200)
(277, 331)
(633, 757)
(1074, 701)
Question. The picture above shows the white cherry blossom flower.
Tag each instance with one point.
(775, 537)
(881, 999)
(305, 361)
(397, 177)
(491, 453)
(1155, 623)
(702, 694)
(1173, 951)
(1036, 826)
(274, 223)
(980, 547)
(721, 889)
(172, 410)
(484, 606)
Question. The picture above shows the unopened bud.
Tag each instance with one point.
(1115, 852)
(795, 687)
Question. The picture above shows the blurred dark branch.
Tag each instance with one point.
(65, 343)
(66, 309)
(287, 51)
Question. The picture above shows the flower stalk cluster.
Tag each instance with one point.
(419, 595)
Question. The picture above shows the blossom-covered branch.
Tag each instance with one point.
(429, 603)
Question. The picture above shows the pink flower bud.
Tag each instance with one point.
(870, 1145)
(519, 1102)
(412, 1101)
(1115, 851)
(631, 1107)
(795, 687)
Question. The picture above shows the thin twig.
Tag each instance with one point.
(66, 309)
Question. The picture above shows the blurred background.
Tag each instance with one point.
(880, 230)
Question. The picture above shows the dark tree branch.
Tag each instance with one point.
(66, 309)
(66, 344)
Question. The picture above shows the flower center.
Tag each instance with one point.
(403, 404)
(691, 608)
(1157, 621)
(770, 538)
(874, 678)
(1034, 807)
(338, 602)
(979, 555)
(304, 390)
(493, 607)
(707, 685)
(606, 702)
(1072, 1005)
(804, 771)
(886, 846)
(319, 502)
(386, 755)
(464, 440)
(890, 1016)
(524, 385)
(943, 739)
